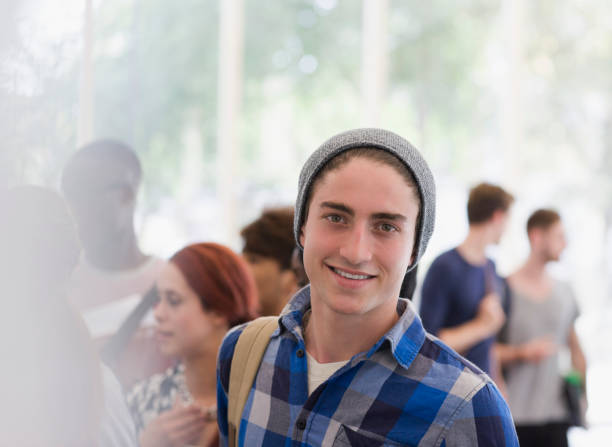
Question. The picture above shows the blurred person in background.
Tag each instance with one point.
(100, 183)
(541, 324)
(268, 248)
(462, 295)
(54, 390)
(204, 290)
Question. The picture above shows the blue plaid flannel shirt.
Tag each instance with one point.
(409, 389)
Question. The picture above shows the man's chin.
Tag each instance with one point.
(348, 304)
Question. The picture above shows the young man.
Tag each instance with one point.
(100, 183)
(350, 363)
(462, 295)
(268, 248)
(541, 322)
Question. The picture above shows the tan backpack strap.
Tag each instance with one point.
(248, 353)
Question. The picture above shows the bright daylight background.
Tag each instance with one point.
(224, 100)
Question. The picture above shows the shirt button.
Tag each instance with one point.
(300, 353)
(301, 424)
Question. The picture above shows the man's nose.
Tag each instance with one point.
(356, 246)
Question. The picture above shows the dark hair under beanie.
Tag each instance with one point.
(375, 139)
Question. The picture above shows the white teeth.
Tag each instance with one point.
(350, 275)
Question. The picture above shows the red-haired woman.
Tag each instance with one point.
(204, 290)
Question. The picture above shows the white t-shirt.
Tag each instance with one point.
(105, 299)
(320, 372)
(117, 428)
(535, 393)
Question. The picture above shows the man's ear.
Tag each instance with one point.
(498, 215)
(535, 236)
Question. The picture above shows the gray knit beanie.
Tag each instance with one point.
(377, 139)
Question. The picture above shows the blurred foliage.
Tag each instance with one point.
(156, 73)
(569, 66)
(435, 56)
(156, 63)
(309, 56)
(37, 103)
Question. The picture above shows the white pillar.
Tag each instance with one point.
(511, 107)
(86, 88)
(374, 59)
(231, 29)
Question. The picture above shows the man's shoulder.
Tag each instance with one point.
(445, 264)
(91, 287)
(449, 258)
(229, 341)
(449, 371)
(447, 392)
(440, 368)
(474, 411)
(564, 294)
(458, 382)
(562, 286)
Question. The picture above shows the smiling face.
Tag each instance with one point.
(183, 327)
(358, 237)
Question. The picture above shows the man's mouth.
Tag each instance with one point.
(348, 275)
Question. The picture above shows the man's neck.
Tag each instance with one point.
(332, 337)
(532, 279)
(121, 254)
(473, 248)
(534, 269)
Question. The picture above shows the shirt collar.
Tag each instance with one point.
(405, 337)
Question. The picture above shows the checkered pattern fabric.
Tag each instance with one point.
(409, 389)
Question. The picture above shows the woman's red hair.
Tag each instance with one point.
(220, 278)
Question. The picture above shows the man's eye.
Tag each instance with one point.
(387, 228)
(334, 218)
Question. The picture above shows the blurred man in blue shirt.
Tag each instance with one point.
(463, 298)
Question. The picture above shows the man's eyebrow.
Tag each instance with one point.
(338, 206)
(390, 216)
(345, 209)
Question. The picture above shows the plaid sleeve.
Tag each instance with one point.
(224, 364)
(484, 421)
